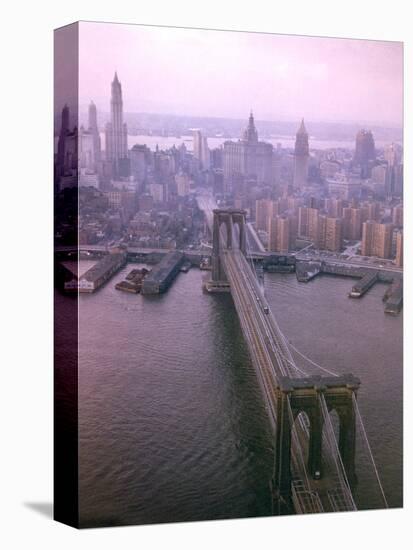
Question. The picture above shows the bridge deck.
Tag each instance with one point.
(272, 358)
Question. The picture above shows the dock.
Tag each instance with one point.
(163, 274)
(362, 286)
(393, 298)
(101, 272)
(133, 281)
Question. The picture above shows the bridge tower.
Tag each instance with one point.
(296, 395)
(234, 222)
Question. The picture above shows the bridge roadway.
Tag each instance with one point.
(272, 358)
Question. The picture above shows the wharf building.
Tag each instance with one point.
(247, 159)
(377, 239)
(301, 156)
(116, 134)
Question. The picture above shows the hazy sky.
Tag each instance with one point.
(215, 73)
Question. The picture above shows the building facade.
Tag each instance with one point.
(247, 159)
(301, 156)
(116, 135)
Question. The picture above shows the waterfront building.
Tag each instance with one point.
(247, 159)
(377, 239)
(116, 143)
(334, 234)
(399, 249)
(301, 156)
(279, 234)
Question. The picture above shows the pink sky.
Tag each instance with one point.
(215, 73)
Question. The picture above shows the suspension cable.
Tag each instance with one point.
(356, 407)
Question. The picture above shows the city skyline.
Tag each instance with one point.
(364, 78)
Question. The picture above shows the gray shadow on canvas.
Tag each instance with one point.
(43, 508)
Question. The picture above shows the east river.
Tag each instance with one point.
(172, 426)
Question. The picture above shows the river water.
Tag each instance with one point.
(172, 426)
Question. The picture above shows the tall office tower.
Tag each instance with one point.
(301, 155)
(391, 155)
(140, 162)
(313, 215)
(64, 131)
(247, 158)
(303, 214)
(397, 215)
(399, 249)
(94, 130)
(263, 207)
(355, 224)
(67, 162)
(334, 234)
(201, 151)
(377, 239)
(116, 131)
(279, 234)
(365, 151)
(86, 151)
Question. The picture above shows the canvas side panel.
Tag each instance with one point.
(65, 140)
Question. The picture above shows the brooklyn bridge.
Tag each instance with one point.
(314, 458)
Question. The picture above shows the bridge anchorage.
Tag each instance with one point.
(233, 220)
(316, 396)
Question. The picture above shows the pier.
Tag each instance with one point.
(362, 286)
(163, 274)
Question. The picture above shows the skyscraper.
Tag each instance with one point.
(116, 130)
(94, 130)
(301, 154)
(247, 158)
(365, 151)
(201, 150)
